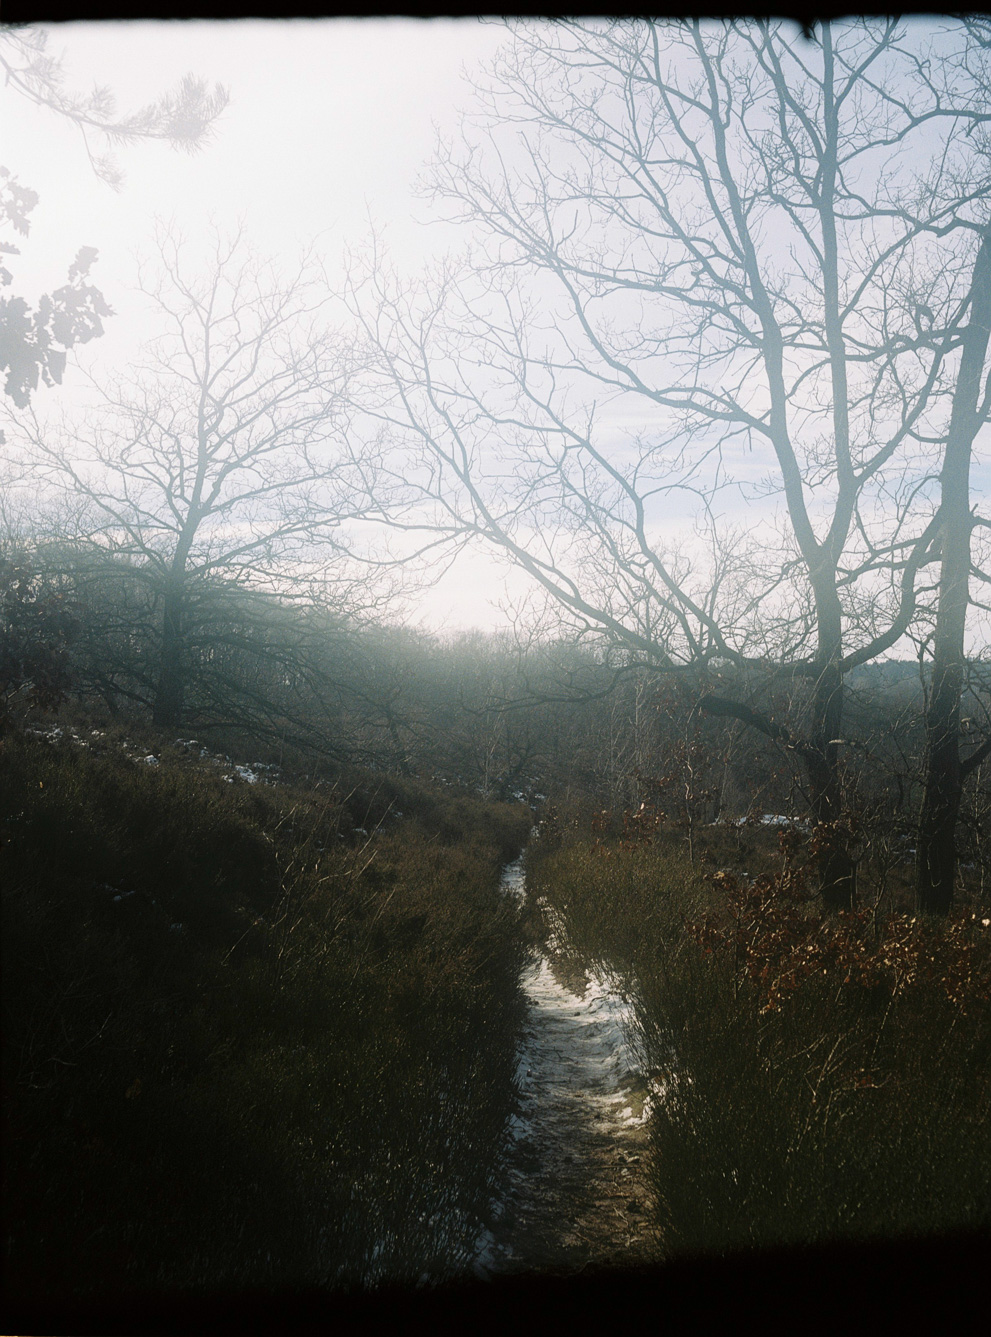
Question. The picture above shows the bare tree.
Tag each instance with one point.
(718, 266)
(222, 460)
(946, 769)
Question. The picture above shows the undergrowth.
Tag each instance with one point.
(253, 1035)
(820, 1078)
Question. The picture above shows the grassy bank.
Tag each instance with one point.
(253, 1035)
(824, 1079)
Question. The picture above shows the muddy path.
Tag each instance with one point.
(574, 1188)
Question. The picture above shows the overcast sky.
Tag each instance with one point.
(329, 125)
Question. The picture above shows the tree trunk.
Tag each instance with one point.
(820, 756)
(167, 710)
(837, 869)
(944, 773)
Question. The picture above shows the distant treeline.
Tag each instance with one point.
(504, 717)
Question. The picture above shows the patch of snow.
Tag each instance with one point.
(517, 1127)
(488, 1254)
(514, 880)
(773, 819)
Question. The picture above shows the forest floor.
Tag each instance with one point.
(575, 1188)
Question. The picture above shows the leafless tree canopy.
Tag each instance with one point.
(221, 458)
(715, 267)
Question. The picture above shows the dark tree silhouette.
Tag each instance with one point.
(38, 625)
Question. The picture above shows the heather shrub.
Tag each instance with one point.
(816, 1077)
(254, 1035)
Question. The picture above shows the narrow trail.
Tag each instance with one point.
(575, 1190)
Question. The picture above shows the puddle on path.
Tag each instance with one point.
(575, 1191)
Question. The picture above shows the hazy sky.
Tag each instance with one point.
(329, 119)
(329, 124)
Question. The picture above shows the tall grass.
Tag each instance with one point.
(821, 1079)
(252, 1035)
